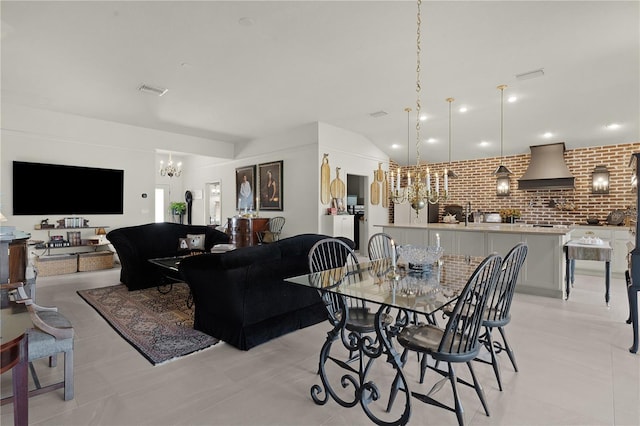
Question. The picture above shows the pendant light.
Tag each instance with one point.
(450, 173)
(502, 173)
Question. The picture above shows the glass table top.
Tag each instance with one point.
(424, 291)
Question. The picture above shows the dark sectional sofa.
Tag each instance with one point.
(135, 245)
(241, 298)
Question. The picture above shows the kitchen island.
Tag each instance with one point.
(543, 271)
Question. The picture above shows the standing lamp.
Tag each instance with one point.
(600, 180)
(502, 173)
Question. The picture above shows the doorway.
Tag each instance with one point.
(213, 203)
(161, 202)
(356, 190)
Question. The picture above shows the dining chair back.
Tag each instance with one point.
(333, 263)
(381, 246)
(273, 231)
(381, 249)
(457, 342)
(498, 311)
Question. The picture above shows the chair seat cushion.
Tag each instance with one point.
(361, 320)
(42, 344)
(421, 338)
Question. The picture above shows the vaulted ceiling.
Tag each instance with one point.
(237, 71)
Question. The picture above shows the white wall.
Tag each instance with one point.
(297, 148)
(44, 136)
(355, 155)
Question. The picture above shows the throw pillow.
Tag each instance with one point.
(267, 237)
(196, 241)
(183, 244)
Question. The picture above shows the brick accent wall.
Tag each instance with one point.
(477, 185)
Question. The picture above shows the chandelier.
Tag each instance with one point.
(170, 169)
(418, 191)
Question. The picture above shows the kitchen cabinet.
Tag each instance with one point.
(543, 271)
(340, 225)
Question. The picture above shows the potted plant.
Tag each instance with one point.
(178, 208)
(509, 215)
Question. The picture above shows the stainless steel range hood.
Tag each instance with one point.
(547, 169)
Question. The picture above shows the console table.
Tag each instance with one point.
(575, 250)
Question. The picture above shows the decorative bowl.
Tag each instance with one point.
(420, 257)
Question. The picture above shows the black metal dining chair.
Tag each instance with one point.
(498, 311)
(381, 251)
(380, 246)
(457, 342)
(331, 262)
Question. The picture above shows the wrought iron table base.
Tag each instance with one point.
(368, 349)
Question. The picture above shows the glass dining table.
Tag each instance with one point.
(400, 296)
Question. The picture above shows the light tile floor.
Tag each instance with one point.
(575, 369)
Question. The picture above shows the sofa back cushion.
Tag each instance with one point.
(153, 240)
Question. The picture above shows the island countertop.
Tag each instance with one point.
(516, 228)
(543, 271)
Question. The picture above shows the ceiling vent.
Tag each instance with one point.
(530, 74)
(547, 169)
(159, 91)
(378, 114)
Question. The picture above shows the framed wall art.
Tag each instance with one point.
(270, 175)
(245, 187)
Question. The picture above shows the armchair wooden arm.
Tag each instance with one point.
(58, 332)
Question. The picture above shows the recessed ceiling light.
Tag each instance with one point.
(547, 135)
(463, 109)
(159, 91)
(246, 21)
(484, 143)
(423, 117)
(395, 146)
(612, 126)
(432, 140)
(512, 99)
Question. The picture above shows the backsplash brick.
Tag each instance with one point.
(477, 185)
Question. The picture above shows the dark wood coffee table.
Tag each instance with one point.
(168, 266)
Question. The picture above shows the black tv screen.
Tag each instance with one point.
(49, 189)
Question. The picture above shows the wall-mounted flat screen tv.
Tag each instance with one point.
(56, 189)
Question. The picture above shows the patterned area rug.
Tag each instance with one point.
(159, 326)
